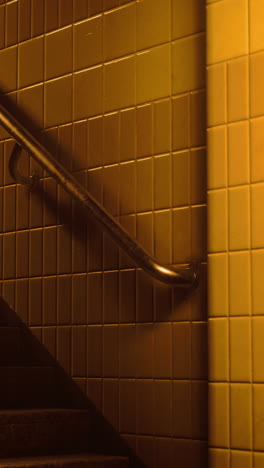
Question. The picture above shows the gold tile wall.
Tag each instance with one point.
(115, 89)
(235, 64)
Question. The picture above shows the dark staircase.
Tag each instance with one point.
(40, 425)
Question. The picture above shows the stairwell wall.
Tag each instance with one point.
(115, 89)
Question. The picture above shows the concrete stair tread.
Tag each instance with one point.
(37, 432)
(71, 461)
(35, 415)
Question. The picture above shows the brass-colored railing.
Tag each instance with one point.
(183, 277)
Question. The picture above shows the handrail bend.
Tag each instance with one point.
(183, 277)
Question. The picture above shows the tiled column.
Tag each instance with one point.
(235, 59)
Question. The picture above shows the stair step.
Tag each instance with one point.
(38, 432)
(28, 387)
(69, 461)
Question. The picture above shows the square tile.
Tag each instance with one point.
(238, 218)
(238, 89)
(241, 416)
(240, 349)
(238, 153)
(87, 43)
(239, 283)
(225, 40)
(154, 62)
(217, 157)
(218, 349)
(188, 64)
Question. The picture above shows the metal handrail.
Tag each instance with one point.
(183, 277)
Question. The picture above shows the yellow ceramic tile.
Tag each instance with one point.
(145, 231)
(240, 459)
(80, 8)
(198, 176)
(181, 235)
(111, 138)
(11, 31)
(238, 153)
(257, 216)
(144, 313)
(256, 149)
(37, 17)
(218, 410)
(227, 30)
(198, 116)
(237, 89)
(127, 187)
(144, 130)
(199, 233)
(2, 26)
(31, 101)
(258, 460)
(199, 364)
(241, 420)
(217, 221)
(240, 349)
(95, 142)
(59, 91)
(188, 64)
(153, 23)
(162, 127)
(258, 348)
(218, 285)
(217, 157)
(51, 15)
(238, 218)
(9, 256)
(187, 18)
(95, 7)
(257, 286)
(110, 4)
(181, 122)
(127, 134)
(49, 251)
(258, 420)
(30, 62)
(199, 416)
(162, 182)
(87, 43)
(9, 209)
(153, 74)
(182, 401)
(95, 177)
(80, 145)
(256, 17)
(144, 187)
(111, 188)
(22, 257)
(181, 345)
(65, 12)
(218, 457)
(119, 84)
(58, 59)
(87, 93)
(8, 66)
(216, 95)
(239, 283)
(218, 365)
(256, 88)
(120, 32)
(162, 236)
